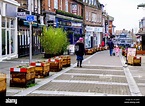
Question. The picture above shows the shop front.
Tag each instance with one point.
(8, 30)
(73, 29)
(24, 34)
(93, 36)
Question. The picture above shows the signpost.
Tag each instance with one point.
(30, 18)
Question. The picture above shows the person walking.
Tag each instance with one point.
(111, 46)
(117, 50)
(79, 51)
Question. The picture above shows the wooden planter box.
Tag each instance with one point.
(140, 52)
(22, 77)
(55, 64)
(137, 61)
(3, 85)
(66, 60)
(124, 52)
(130, 60)
(89, 51)
(42, 69)
(134, 60)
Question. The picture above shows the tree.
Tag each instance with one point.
(53, 40)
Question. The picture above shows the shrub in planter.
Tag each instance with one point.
(53, 40)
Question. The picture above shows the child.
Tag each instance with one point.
(117, 50)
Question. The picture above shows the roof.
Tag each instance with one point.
(141, 33)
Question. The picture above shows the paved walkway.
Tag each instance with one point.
(101, 75)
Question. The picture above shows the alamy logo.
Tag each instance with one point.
(11, 101)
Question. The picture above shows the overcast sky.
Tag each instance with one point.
(125, 13)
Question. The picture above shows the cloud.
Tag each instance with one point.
(125, 12)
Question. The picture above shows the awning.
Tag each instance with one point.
(141, 33)
(138, 36)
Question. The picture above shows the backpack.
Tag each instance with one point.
(76, 48)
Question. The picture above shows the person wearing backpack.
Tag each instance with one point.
(79, 51)
(111, 46)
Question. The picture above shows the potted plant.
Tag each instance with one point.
(53, 40)
(22, 76)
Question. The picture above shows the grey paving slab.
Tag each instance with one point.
(92, 78)
(100, 71)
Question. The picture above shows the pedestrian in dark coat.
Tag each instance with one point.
(79, 51)
(111, 46)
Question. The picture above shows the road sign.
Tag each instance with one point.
(30, 18)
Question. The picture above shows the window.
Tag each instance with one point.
(0, 6)
(60, 4)
(66, 5)
(87, 15)
(56, 4)
(90, 2)
(48, 3)
(3, 22)
(90, 18)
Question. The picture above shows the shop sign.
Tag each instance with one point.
(88, 28)
(21, 14)
(98, 29)
(131, 52)
(76, 24)
(51, 17)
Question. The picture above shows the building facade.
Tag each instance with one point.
(24, 29)
(141, 32)
(93, 23)
(8, 29)
(65, 14)
(123, 38)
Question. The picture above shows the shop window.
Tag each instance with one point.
(3, 42)
(3, 22)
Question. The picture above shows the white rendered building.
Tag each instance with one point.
(8, 29)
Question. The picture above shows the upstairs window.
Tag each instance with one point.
(48, 3)
(56, 4)
(66, 5)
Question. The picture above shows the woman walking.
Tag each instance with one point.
(79, 51)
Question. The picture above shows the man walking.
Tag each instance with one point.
(79, 51)
(111, 46)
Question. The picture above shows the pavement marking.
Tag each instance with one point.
(102, 65)
(89, 82)
(101, 69)
(16, 62)
(81, 74)
(67, 93)
(131, 82)
(141, 84)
